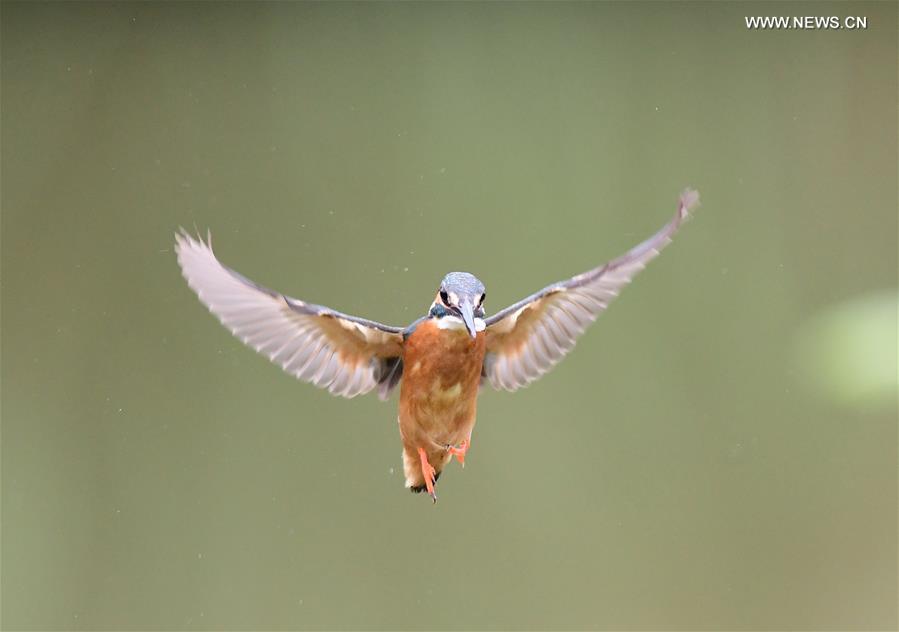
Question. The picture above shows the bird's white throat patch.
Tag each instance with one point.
(454, 322)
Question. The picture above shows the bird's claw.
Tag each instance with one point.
(428, 473)
(459, 452)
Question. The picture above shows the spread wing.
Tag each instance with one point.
(345, 354)
(526, 339)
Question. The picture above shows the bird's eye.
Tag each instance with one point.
(444, 297)
(483, 296)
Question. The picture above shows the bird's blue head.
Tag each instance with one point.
(462, 295)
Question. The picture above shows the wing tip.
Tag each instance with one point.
(184, 239)
(689, 201)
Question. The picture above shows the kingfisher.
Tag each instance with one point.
(440, 361)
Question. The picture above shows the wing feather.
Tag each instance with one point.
(527, 338)
(345, 354)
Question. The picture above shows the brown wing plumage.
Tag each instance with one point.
(526, 339)
(345, 354)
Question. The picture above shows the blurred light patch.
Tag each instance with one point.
(848, 352)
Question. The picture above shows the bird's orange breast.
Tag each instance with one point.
(441, 377)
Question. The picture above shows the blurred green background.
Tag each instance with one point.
(718, 452)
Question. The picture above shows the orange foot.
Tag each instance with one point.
(428, 473)
(459, 452)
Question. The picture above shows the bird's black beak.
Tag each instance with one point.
(466, 310)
